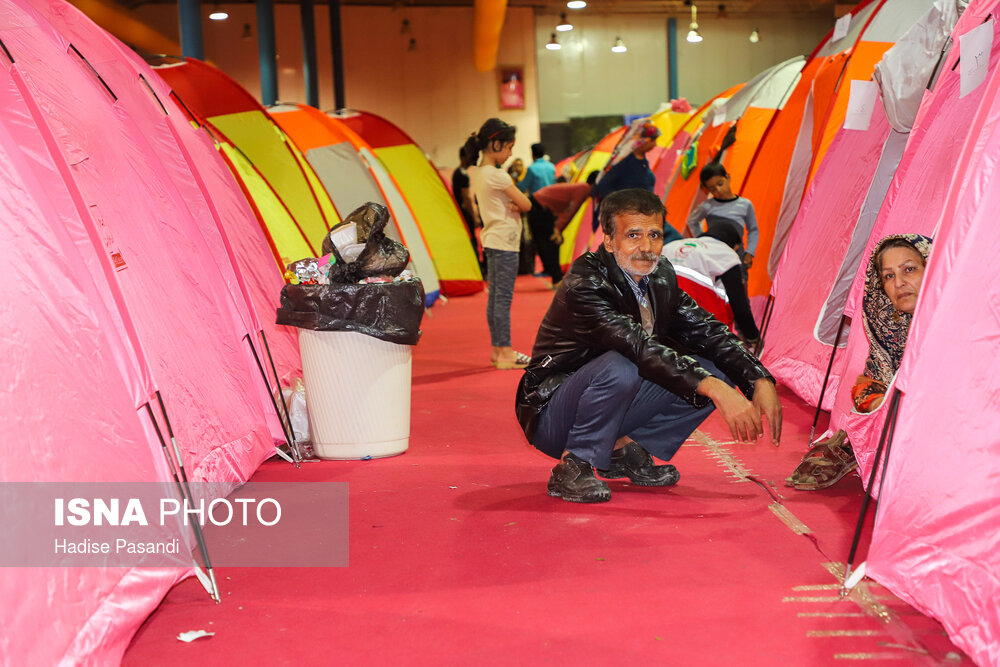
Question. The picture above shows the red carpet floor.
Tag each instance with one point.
(459, 557)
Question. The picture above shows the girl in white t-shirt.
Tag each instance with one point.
(500, 205)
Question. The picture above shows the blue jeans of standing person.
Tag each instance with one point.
(501, 271)
(605, 400)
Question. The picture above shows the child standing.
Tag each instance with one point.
(726, 215)
(500, 206)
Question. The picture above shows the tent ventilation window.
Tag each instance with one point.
(94, 72)
(6, 52)
(152, 92)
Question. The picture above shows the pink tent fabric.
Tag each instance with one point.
(818, 242)
(914, 203)
(122, 283)
(937, 538)
(71, 406)
(166, 278)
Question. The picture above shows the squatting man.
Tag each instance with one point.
(626, 365)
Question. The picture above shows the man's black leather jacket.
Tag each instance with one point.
(594, 311)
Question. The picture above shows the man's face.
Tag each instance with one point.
(637, 243)
(645, 144)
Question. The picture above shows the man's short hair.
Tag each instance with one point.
(633, 200)
(537, 151)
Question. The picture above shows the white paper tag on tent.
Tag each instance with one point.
(864, 97)
(974, 50)
(841, 27)
(720, 117)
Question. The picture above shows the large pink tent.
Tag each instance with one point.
(914, 203)
(836, 217)
(123, 264)
(937, 537)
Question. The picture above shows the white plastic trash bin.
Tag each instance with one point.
(357, 393)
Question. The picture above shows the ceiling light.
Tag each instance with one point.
(576, 4)
(218, 15)
(693, 35)
(754, 36)
(619, 46)
(564, 25)
(553, 44)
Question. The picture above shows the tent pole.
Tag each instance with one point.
(277, 382)
(887, 428)
(826, 378)
(183, 489)
(292, 445)
(764, 324)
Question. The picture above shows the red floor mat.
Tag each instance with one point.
(458, 556)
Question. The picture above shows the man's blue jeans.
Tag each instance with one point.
(605, 400)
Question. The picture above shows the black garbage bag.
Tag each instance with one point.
(387, 311)
(381, 255)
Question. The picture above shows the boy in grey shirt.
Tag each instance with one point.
(726, 215)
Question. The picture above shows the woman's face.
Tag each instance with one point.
(902, 273)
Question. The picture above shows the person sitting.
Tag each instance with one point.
(892, 285)
(626, 365)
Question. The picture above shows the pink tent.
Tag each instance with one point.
(935, 541)
(123, 283)
(914, 203)
(835, 220)
(937, 536)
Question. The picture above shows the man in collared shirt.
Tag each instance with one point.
(626, 365)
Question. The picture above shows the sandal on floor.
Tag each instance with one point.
(826, 463)
(519, 361)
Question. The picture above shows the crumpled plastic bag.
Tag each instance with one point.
(381, 255)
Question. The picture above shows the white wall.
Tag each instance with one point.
(585, 78)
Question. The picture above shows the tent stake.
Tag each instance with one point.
(887, 431)
(284, 427)
(183, 489)
(826, 378)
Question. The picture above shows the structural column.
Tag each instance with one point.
(192, 45)
(309, 52)
(268, 52)
(672, 58)
(337, 49)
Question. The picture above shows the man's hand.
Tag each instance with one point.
(765, 399)
(748, 260)
(742, 416)
(556, 237)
